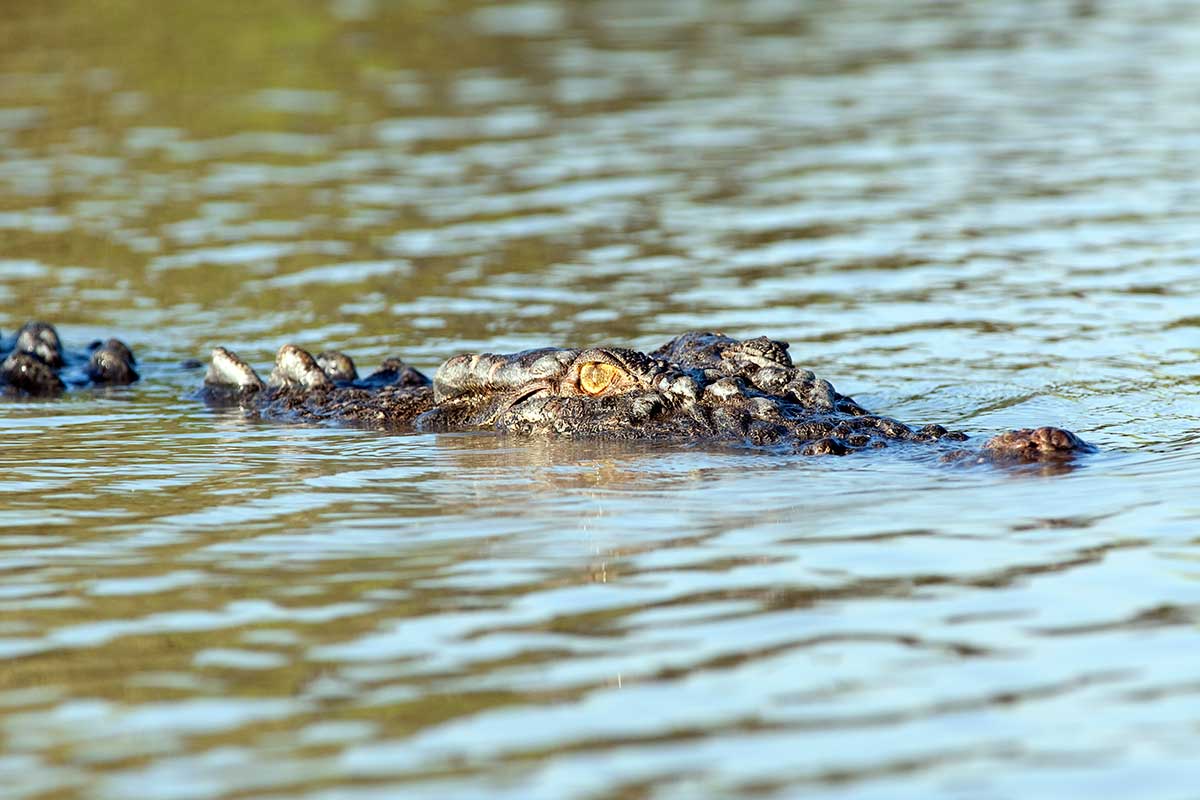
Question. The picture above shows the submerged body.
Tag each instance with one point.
(37, 364)
(698, 386)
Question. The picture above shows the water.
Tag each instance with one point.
(977, 214)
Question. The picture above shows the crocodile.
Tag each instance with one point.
(698, 386)
(37, 364)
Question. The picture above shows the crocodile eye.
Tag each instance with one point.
(596, 376)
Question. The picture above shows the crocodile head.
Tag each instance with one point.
(697, 386)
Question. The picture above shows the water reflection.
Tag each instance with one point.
(980, 215)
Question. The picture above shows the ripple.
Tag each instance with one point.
(963, 214)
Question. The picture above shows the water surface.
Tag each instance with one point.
(983, 215)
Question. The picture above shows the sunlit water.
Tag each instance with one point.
(985, 215)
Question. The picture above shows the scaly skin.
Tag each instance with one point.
(698, 386)
(37, 361)
(324, 388)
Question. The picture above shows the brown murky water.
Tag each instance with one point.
(981, 214)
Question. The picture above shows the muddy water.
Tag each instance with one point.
(985, 215)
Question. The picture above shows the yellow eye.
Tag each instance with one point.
(596, 376)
